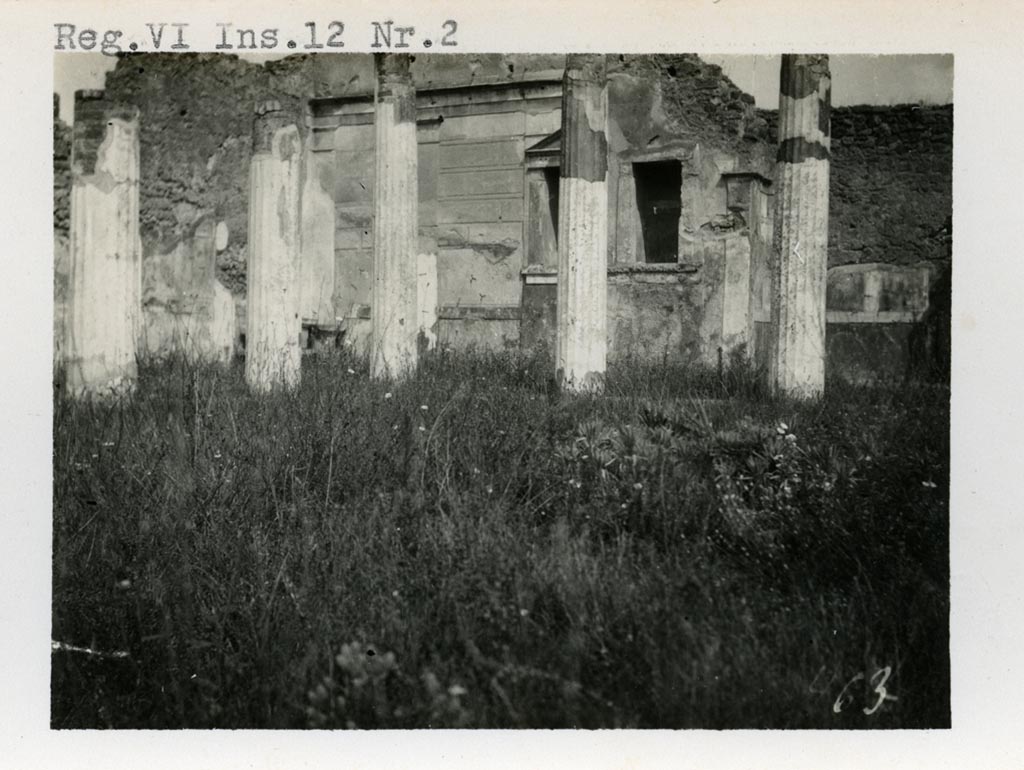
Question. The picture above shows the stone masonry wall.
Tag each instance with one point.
(61, 172)
(196, 118)
(697, 100)
(61, 225)
(891, 183)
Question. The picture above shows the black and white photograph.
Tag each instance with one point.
(541, 385)
(492, 391)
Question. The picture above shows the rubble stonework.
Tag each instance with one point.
(196, 128)
(104, 266)
(61, 225)
(393, 305)
(797, 355)
(61, 171)
(582, 317)
(273, 357)
(891, 182)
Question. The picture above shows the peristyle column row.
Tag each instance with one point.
(105, 267)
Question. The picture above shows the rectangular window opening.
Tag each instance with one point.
(542, 234)
(551, 177)
(658, 186)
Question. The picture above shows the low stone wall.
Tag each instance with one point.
(885, 322)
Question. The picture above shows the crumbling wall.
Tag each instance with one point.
(61, 171)
(666, 109)
(61, 224)
(196, 117)
(347, 75)
(891, 187)
(698, 101)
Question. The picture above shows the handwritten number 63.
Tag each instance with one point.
(878, 680)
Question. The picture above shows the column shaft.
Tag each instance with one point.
(582, 338)
(273, 357)
(394, 311)
(797, 358)
(105, 268)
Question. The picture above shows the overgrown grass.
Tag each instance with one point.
(473, 549)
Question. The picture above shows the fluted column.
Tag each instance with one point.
(394, 310)
(797, 358)
(582, 338)
(273, 357)
(105, 268)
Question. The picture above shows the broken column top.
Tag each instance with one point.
(92, 105)
(394, 80)
(267, 106)
(271, 116)
(805, 96)
(86, 94)
(394, 84)
(393, 67)
(587, 66)
(801, 74)
(93, 114)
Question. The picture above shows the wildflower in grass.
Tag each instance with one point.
(523, 612)
(490, 489)
(456, 690)
(387, 395)
(638, 485)
(423, 407)
(782, 429)
(351, 370)
(929, 484)
(422, 428)
(108, 443)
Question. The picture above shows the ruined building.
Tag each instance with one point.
(690, 203)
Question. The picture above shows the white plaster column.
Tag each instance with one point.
(797, 355)
(395, 315)
(104, 306)
(273, 357)
(582, 337)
